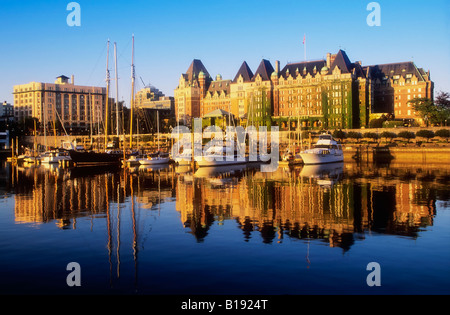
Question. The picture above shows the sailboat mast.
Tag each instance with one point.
(157, 126)
(54, 124)
(90, 117)
(132, 95)
(117, 90)
(45, 126)
(107, 97)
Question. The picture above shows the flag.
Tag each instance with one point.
(304, 39)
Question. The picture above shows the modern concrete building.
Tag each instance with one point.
(6, 112)
(75, 106)
(153, 99)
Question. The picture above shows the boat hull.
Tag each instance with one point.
(94, 158)
(208, 162)
(317, 158)
(50, 160)
(154, 161)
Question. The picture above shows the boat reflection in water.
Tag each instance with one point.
(326, 174)
(222, 171)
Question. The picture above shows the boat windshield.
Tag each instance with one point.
(325, 146)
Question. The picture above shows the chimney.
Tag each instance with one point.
(329, 60)
(73, 79)
(277, 66)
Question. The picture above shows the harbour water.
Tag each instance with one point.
(174, 231)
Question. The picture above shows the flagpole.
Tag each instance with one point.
(304, 44)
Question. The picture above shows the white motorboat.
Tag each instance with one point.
(155, 159)
(54, 157)
(220, 156)
(133, 160)
(326, 150)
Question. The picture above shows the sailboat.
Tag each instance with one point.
(86, 158)
(158, 157)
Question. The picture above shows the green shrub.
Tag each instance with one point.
(443, 133)
(388, 135)
(339, 134)
(354, 135)
(393, 124)
(428, 134)
(376, 123)
(406, 135)
(371, 135)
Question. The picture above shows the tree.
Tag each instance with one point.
(354, 135)
(426, 109)
(376, 123)
(371, 135)
(339, 134)
(388, 135)
(437, 112)
(406, 135)
(443, 133)
(428, 134)
(443, 107)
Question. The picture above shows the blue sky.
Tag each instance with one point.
(38, 45)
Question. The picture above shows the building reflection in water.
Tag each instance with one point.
(335, 203)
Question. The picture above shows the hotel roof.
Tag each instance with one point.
(194, 70)
(393, 69)
(245, 72)
(296, 69)
(265, 70)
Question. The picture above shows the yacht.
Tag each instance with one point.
(326, 150)
(219, 156)
(155, 158)
(133, 160)
(54, 157)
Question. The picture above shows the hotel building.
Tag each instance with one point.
(394, 85)
(75, 106)
(326, 93)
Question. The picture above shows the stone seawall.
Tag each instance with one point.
(398, 155)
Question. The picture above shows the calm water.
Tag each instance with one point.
(235, 231)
